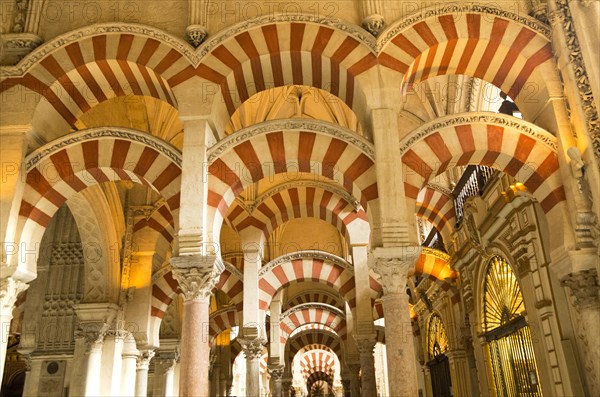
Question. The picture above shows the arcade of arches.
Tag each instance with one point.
(353, 198)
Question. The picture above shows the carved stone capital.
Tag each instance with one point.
(584, 288)
(374, 24)
(95, 321)
(197, 275)
(365, 343)
(9, 291)
(142, 362)
(393, 266)
(17, 45)
(252, 348)
(276, 371)
(195, 35)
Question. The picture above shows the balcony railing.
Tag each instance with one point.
(472, 183)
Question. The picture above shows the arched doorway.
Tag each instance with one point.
(512, 368)
(439, 367)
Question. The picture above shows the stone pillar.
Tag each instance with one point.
(347, 389)
(366, 345)
(141, 372)
(9, 291)
(197, 276)
(584, 289)
(128, 376)
(32, 376)
(354, 380)
(459, 372)
(393, 266)
(164, 374)
(253, 349)
(286, 387)
(276, 372)
(94, 323)
(111, 367)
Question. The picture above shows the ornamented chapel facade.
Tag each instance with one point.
(354, 198)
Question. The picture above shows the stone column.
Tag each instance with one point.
(276, 372)
(393, 266)
(141, 372)
(253, 348)
(197, 276)
(286, 387)
(584, 289)
(346, 385)
(9, 291)
(354, 380)
(128, 375)
(366, 345)
(164, 374)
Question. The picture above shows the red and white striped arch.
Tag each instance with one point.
(295, 203)
(438, 208)
(317, 314)
(222, 320)
(288, 146)
(315, 297)
(271, 55)
(513, 146)
(437, 267)
(64, 167)
(305, 266)
(317, 361)
(506, 52)
(165, 287)
(314, 339)
(74, 74)
(160, 221)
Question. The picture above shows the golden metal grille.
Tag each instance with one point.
(437, 337)
(511, 364)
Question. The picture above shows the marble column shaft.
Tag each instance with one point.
(276, 372)
(252, 349)
(366, 346)
(197, 276)
(141, 373)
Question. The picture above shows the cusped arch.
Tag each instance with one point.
(511, 51)
(64, 167)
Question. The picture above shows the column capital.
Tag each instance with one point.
(252, 348)
(95, 321)
(365, 343)
(584, 288)
(10, 289)
(197, 275)
(276, 371)
(143, 360)
(393, 265)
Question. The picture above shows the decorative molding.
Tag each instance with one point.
(350, 199)
(9, 291)
(461, 9)
(294, 124)
(313, 305)
(350, 29)
(562, 15)
(233, 270)
(530, 129)
(95, 30)
(325, 256)
(103, 132)
(195, 35)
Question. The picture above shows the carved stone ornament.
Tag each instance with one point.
(374, 24)
(252, 348)
(305, 255)
(365, 343)
(16, 45)
(195, 35)
(197, 275)
(143, 360)
(394, 270)
(276, 371)
(9, 291)
(584, 288)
